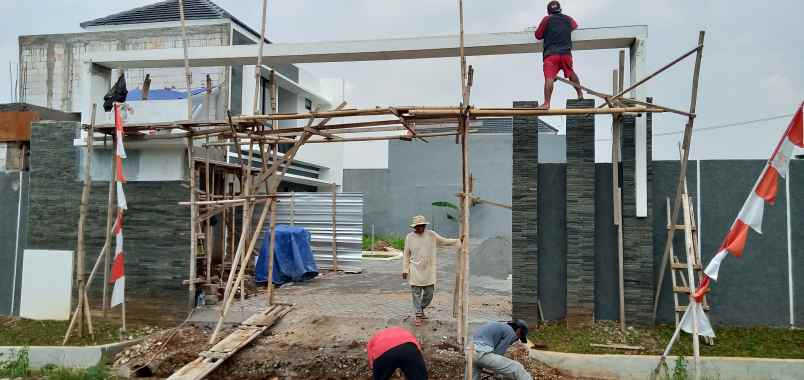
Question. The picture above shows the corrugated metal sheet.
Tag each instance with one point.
(313, 211)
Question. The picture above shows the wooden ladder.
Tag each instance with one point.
(679, 264)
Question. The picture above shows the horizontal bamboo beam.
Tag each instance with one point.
(609, 96)
(406, 137)
(480, 112)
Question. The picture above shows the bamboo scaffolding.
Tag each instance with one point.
(82, 309)
(682, 171)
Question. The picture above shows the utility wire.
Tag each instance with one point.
(721, 126)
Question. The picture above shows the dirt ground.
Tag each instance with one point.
(316, 348)
(325, 336)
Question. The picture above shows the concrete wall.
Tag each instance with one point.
(753, 290)
(422, 173)
(13, 194)
(54, 62)
(156, 228)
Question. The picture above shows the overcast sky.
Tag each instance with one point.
(753, 64)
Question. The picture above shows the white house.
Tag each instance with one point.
(54, 66)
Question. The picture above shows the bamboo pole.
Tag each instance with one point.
(608, 98)
(83, 309)
(187, 72)
(467, 194)
(383, 138)
(258, 68)
(697, 49)
(682, 171)
(208, 230)
(193, 224)
(271, 254)
(696, 348)
(616, 132)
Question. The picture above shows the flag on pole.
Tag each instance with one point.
(765, 191)
(118, 275)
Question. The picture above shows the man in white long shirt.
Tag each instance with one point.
(419, 265)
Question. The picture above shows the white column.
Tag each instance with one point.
(95, 82)
(638, 54)
(249, 83)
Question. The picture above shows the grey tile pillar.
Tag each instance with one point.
(580, 215)
(524, 215)
(637, 233)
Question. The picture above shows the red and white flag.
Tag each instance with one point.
(118, 275)
(118, 267)
(765, 191)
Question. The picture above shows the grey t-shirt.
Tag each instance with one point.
(496, 335)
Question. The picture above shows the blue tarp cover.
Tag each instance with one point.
(293, 258)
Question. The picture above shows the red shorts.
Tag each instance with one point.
(554, 63)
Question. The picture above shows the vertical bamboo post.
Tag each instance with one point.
(187, 73)
(194, 207)
(82, 216)
(258, 68)
(208, 227)
(467, 188)
(193, 222)
(271, 252)
(682, 171)
(334, 228)
(274, 100)
(617, 123)
(685, 200)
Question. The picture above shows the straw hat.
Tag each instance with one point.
(418, 220)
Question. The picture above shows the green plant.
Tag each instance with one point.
(98, 372)
(17, 366)
(447, 205)
(395, 241)
(680, 369)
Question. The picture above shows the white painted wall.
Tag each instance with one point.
(366, 155)
(46, 292)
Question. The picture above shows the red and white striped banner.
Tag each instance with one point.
(118, 275)
(764, 191)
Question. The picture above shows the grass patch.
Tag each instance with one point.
(18, 367)
(760, 342)
(25, 332)
(99, 372)
(395, 241)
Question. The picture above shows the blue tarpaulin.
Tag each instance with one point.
(293, 258)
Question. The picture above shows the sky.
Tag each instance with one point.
(753, 64)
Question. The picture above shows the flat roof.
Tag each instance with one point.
(366, 50)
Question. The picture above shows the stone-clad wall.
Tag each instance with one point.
(580, 214)
(638, 265)
(524, 216)
(156, 229)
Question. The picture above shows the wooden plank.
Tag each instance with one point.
(211, 359)
(683, 308)
(618, 346)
